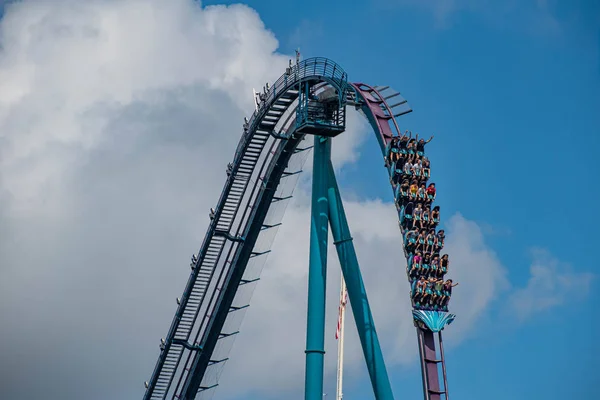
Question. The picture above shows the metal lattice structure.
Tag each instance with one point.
(310, 98)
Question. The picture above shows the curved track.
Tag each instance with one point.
(429, 319)
(260, 183)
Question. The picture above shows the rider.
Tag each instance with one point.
(421, 145)
(425, 217)
(444, 264)
(426, 263)
(416, 263)
(421, 192)
(414, 189)
(435, 216)
(420, 289)
(448, 285)
(426, 167)
(438, 285)
(435, 265)
(431, 192)
(430, 238)
(421, 240)
(418, 167)
(418, 211)
(440, 239)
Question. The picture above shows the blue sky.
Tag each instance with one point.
(511, 90)
(513, 96)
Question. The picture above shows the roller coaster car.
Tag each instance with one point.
(323, 115)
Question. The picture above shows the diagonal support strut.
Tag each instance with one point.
(357, 293)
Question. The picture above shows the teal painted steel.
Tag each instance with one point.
(317, 272)
(435, 321)
(357, 293)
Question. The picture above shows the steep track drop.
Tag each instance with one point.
(260, 183)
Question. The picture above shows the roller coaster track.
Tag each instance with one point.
(260, 182)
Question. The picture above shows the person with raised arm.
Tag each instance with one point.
(448, 285)
(402, 144)
(420, 145)
(410, 146)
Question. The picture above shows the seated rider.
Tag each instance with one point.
(416, 263)
(417, 215)
(428, 291)
(438, 285)
(417, 167)
(430, 239)
(421, 192)
(435, 265)
(394, 149)
(426, 263)
(402, 144)
(404, 188)
(413, 190)
(425, 217)
(396, 170)
(411, 146)
(440, 239)
(426, 168)
(448, 285)
(410, 241)
(421, 239)
(444, 264)
(435, 216)
(420, 146)
(407, 168)
(420, 289)
(431, 192)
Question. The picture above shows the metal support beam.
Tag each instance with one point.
(317, 273)
(357, 293)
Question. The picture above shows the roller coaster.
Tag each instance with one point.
(309, 99)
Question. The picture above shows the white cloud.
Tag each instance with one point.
(117, 119)
(551, 283)
(275, 323)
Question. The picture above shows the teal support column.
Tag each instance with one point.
(317, 272)
(357, 293)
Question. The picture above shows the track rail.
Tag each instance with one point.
(429, 324)
(260, 163)
(210, 310)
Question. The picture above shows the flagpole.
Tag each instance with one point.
(340, 364)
